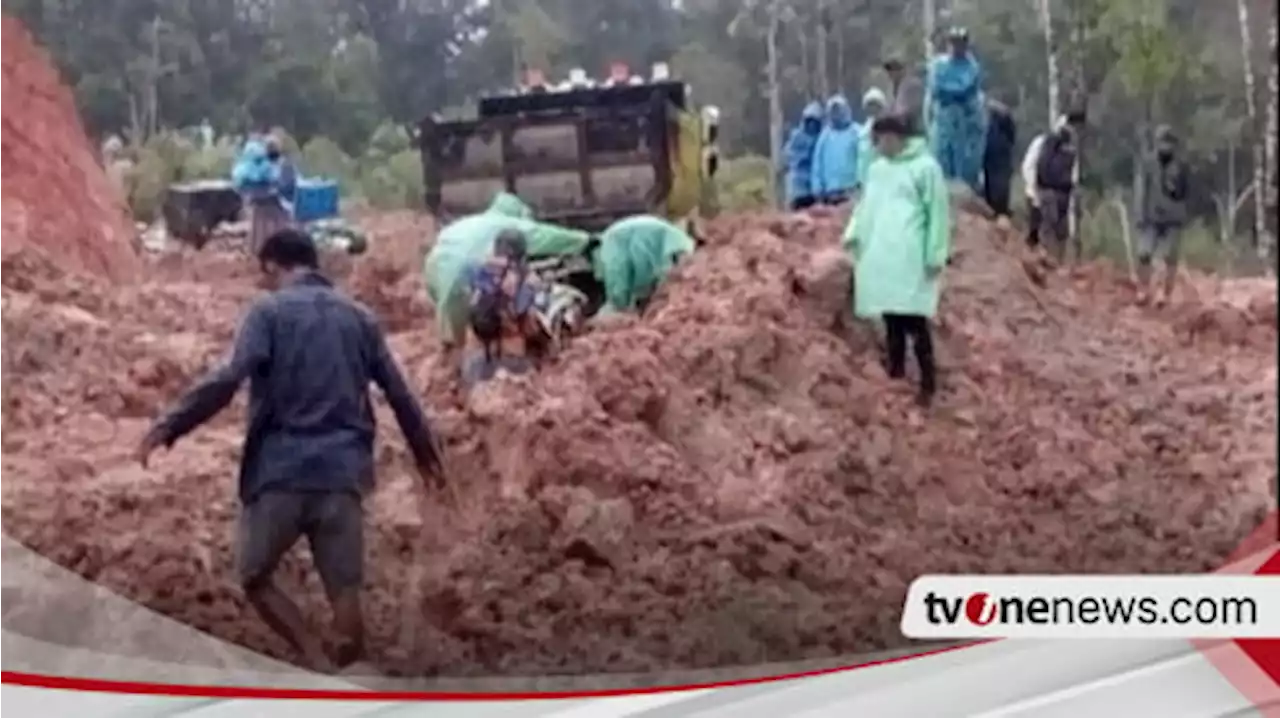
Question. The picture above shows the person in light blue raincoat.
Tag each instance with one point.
(267, 181)
(835, 158)
(799, 155)
(958, 118)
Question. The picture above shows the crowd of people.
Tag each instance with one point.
(310, 353)
(943, 127)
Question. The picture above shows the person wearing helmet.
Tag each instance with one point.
(1162, 213)
(958, 124)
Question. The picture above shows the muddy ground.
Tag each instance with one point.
(730, 480)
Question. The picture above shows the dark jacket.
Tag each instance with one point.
(1002, 136)
(309, 353)
(1164, 192)
(1055, 169)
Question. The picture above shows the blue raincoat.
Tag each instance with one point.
(258, 177)
(958, 118)
(835, 158)
(799, 153)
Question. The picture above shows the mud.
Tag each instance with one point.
(56, 197)
(729, 480)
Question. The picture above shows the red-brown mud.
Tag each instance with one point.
(729, 480)
(56, 198)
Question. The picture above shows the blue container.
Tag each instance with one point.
(315, 199)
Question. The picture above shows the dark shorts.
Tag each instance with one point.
(332, 521)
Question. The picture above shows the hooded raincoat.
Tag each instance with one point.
(469, 240)
(900, 234)
(799, 154)
(634, 258)
(866, 142)
(958, 118)
(835, 158)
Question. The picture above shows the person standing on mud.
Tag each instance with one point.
(997, 161)
(899, 237)
(267, 180)
(1055, 186)
(1163, 213)
(309, 353)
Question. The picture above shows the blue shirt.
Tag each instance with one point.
(309, 353)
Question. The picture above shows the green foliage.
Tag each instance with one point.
(744, 183)
(395, 182)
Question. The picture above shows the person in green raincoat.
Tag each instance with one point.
(468, 241)
(899, 239)
(634, 258)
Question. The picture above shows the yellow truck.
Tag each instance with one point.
(580, 156)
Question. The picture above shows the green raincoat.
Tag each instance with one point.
(899, 235)
(634, 258)
(469, 240)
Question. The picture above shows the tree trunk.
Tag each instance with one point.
(1269, 188)
(824, 75)
(775, 97)
(929, 21)
(1255, 124)
(1051, 60)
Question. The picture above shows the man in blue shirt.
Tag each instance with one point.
(309, 354)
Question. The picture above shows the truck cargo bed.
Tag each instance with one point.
(579, 165)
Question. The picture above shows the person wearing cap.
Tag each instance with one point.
(997, 159)
(1030, 161)
(309, 353)
(875, 104)
(958, 120)
(899, 238)
(906, 94)
(799, 157)
(1162, 213)
(835, 156)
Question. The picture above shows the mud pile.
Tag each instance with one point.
(57, 199)
(730, 480)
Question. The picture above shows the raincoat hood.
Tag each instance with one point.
(912, 149)
(811, 118)
(874, 96)
(509, 205)
(253, 151)
(838, 112)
